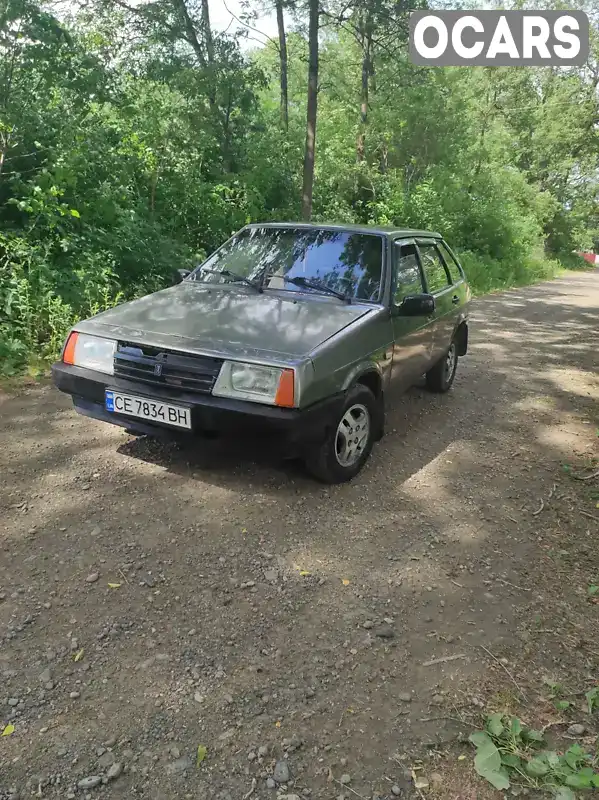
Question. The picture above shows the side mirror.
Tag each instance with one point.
(180, 275)
(417, 305)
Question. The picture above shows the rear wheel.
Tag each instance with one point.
(349, 440)
(440, 378)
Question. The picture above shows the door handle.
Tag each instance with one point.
(455, 299)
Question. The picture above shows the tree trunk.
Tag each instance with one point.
(383, 157)
(366, 71)
(486, 122)
(207, 31)
(308, 182)
(190, 32)
(226, 144)
(283, 58)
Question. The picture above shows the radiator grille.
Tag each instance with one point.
(166, 368)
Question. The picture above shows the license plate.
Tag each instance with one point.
(144, 408)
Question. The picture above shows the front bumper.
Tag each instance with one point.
(294, 428)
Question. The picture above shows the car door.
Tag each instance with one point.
(413, 336)
(439, 283)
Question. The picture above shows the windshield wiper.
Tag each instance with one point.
(317, 286)
(233, 276)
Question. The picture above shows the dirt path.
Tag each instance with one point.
(154, 600)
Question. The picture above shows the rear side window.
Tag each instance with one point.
(451, 263)
(408, 279)
(437, 276)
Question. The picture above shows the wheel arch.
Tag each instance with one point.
(369, 375)
(372, 380)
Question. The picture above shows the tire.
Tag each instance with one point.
(339, 458)
(440, 378)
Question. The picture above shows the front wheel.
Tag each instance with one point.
(440, 377)
(349, 440)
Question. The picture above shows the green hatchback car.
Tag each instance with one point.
(298, 332)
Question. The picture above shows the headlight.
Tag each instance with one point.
(92, 352)
(256, 383)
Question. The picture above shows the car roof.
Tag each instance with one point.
(385, 230)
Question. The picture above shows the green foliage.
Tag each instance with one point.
(488, 762)
(562, 705)
(487, 274)
(128, 151)
(201, 754)
(507, 751)
(592, 698)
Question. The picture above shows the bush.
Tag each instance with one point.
(486, 274)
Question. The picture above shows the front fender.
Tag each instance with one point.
(364, 347)
(366, 367)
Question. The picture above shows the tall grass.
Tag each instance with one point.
(488, 275)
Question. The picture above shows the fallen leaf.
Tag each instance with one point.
(79, 655)
(202, 751)
(114, 585)
(8, 730)
(345, 582)
(278, 723)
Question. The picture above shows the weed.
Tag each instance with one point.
(508, 752)
(563, 705)
(592, 698)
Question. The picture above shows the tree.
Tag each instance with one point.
(283, 61)
(365, 24)
(312, 108)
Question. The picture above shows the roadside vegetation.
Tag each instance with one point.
(135, 139)
(510, 754)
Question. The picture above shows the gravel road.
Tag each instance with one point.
(327, 640)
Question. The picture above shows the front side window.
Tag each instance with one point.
(408, 280)
(350, 263)
(437, 277)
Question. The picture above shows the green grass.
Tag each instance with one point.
(487, 275)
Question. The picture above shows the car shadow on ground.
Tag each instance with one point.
(229, 462)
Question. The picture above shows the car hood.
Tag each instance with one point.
(227, 320)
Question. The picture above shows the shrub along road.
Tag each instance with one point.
(153, 599)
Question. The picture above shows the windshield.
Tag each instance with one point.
(350, 263)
